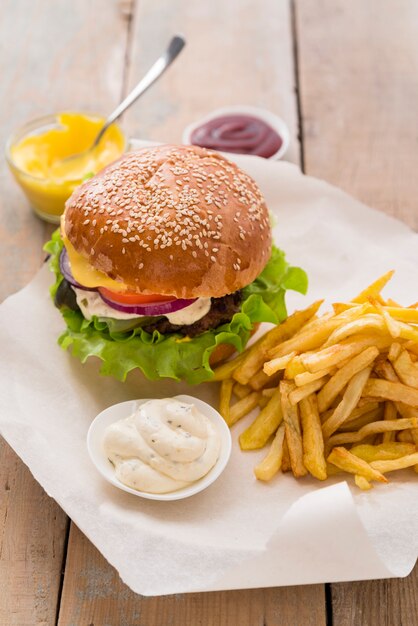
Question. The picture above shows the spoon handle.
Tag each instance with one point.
(156, 70)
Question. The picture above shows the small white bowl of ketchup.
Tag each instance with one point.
(240, 129)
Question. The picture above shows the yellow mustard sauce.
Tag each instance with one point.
(36, 159)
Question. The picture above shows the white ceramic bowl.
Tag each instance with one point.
(124, 409)
(270, 118)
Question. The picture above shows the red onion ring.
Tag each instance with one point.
(65, 268)
(152, 309)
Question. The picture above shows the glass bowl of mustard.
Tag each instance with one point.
(35, 154)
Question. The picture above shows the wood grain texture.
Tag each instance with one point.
(358, 63)
(94, 594)
(248, 60)
(238, 52)
(392, 602)
(32, 536)
(53, 56)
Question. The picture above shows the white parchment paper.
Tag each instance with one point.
(238, 533)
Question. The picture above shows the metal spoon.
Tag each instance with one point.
(161, 64)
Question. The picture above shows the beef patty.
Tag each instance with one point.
(221, 311)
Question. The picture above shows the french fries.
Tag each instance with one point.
(265, 424)
(313, 441)
(271, 464)
(336, 393)
(293, 430)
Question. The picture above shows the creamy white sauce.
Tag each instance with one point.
(165, 445)
(91, 303)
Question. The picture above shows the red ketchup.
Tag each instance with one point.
(243, 134)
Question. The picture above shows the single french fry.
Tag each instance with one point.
(412, 347)
(243, 407)
(293, 430)
(349, 401)
(307, 377)
(348, 462)
(260, 380)
(383, 368)
(406, 369)
(294, 367)
(401, 314)
(389, 415)
(407, 331)
(286, 467)
(392, 325)
(383, 451)
(340, 307)
(265, 424)
(394, 351)
(374, 289)
(271, 463)
(391, 302)
(255, 357)
(362, 483)
(333, 355)
(333, 470)
(312, 439)
(377, 388)
(372, 429)
(225, 398)
(273, 366)
(389, 466)
(241, 390)
(336, 383)
(296, 395)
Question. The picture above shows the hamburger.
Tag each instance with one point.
(164, 262)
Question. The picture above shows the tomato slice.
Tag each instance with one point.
(129, 297)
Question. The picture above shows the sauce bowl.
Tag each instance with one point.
(268, 117)
(116, 412)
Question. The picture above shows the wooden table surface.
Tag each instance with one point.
(344, 75)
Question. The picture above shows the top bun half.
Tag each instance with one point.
(172, 220)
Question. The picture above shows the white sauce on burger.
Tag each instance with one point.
(91, 303)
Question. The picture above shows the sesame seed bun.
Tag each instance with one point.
(172, 220)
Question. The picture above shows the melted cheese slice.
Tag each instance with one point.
(86, 274)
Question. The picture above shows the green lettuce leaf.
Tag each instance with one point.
(175, 356)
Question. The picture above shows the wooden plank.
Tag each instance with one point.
(32, 535)
(390, 602)
(357, 84)
(236, 53)
(94, 594)
(55, 55)
(358, 68)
